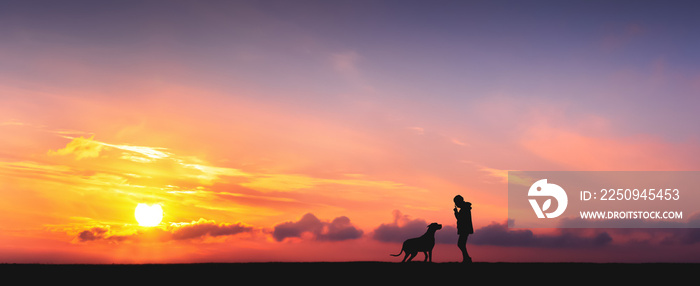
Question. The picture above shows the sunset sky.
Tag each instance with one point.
(332, 130)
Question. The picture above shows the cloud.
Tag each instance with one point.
(345, 62)
(94, 233)
(203, 227)
(418, 130)
(340, 229)
(500, 235)
(650, 232)
(101, 232)
(347, 65)
(293, 182)
(620, 37)
(175, 231)
(458, 142)
(500, 174)
(337, 230)
(682, 236)
(403, 227)
(159, 157)
(280, 182)
(150, 152)
(81, 148)
(90, 148)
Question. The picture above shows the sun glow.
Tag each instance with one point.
(148, 215)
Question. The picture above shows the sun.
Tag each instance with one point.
(148, 215)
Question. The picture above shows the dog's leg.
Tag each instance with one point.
(426, 256)
(405, 256)
(430, 256)
(413, 254)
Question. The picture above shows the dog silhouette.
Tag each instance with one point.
(424, 243)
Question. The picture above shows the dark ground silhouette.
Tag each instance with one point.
(370, 273)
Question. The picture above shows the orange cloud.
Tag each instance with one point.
(81, 148)
(90, 148)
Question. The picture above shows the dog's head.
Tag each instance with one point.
(435, 226)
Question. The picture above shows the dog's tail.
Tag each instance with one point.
(397, 254)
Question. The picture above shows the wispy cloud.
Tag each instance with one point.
(90, 148)
(81, 148)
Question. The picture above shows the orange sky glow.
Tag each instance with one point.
(267, 136)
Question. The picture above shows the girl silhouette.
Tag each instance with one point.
(463, 214)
